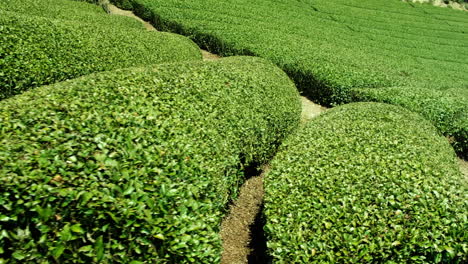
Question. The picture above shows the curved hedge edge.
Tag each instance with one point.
(97, 171)
(366, 183)
(447, 109)
(74, 10)
(312, 87)
(79, 49)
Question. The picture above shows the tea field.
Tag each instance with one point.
(120, 145)
(51, 41)
(366, 183)
(341, 51)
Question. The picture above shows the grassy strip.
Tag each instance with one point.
(366, 183)
(136, 164)
(330, 48)
(36, 50)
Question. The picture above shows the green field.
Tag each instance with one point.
(69, 10)
(366, 183)
(52, 41)
(332, 48)
(120, 145)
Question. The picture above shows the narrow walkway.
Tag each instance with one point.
(441, 3)
(238, 228)
(310, 109)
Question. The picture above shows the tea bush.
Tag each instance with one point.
(36, 50)
(80, 12)
(366, 183)
(136, 165)
(330, 47)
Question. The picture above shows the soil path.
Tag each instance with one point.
(310, 109)
(239, 228)
(113, 10)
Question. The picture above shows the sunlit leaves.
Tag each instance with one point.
(136, 164)
(366, 182)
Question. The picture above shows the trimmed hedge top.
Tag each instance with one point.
(36, 50)
(136, 164)
(80, 12)
(447, 109)
(366, 183)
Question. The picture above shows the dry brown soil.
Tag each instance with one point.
(235, 228)
(117, 11)
(310, 109)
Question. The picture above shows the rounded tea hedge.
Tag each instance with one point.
(136, 164)
(366, 183)
(36, 50)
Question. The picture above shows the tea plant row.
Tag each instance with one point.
(51, 41)
(331, 47)
(366, 183)
(136, 164)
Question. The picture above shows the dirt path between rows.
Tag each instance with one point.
(236, 227)
(112, 9)
(241, 230)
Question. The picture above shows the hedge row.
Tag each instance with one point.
(445, 109)
(136, 164)
(81, 12)
(36, 50)
(330, 47)
(366, 183)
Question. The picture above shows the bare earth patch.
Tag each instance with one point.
(310, 109)
(235, 228)
(209, 56)
(440, 3)
(113, 10)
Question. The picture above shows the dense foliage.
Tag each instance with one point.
(81, 12)
(136, 164)
(366, 183)
(329, 47)
(36, 50)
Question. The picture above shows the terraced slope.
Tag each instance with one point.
(136, 164)
(332, 48)
(38, 50)
(366, 183)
